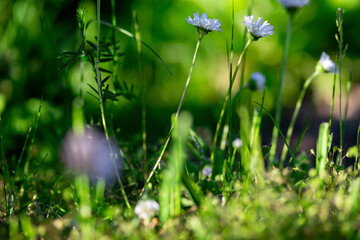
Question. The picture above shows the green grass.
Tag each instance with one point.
(206, 188)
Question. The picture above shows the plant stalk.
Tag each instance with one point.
(295, 115)
(175, 118)
(217, 131)
(275, 132)
(102, 104)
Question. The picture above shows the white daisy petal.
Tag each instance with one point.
(326, 63)
(294, 3)
(258, 29)
(204, 24)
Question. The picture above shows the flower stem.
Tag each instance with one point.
(230, 86)
(102, 104)
(227, 99)
(295, 115)
(242, 76)
(275, 132)
(175, 118)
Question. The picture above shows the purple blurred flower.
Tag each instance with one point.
(90, 153)
(207, 171)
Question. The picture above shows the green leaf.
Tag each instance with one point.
(352, 152)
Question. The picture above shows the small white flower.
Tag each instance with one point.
(326, 64)
(207, 171)
(294, 3)
(146, 209)
(258, 29)
(257, 81)
(204, 24)
(237, 143)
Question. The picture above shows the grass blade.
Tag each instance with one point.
(280, 132)
(322, 149)
(170, 196)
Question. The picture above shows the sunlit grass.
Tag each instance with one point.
(112, 146)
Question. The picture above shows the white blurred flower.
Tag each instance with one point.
(237, 143)
(326, 65)
(258, 29)
(207, 171)
(146, 209)
(89, 153)
(257, 81)
(294, 3)
(204, 24)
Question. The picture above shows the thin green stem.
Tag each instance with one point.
(242, 76)
(332, 102)
(275, 132)
(102, 104)
(222, 113)
(295, 115)
(175, 118)
(356, 166)
(342, 51)
(230, 85)
(348, 88)
(143, 93)
(81, 77)
(340, 112)
(113, 39)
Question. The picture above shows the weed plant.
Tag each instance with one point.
(232, 187)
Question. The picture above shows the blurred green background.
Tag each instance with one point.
(34, 32)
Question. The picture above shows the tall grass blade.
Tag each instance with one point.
(170, 196)
(342, 51)
(332, 101)
(29, 137)
(230, 86)
(302, 135)
(356, 164)
(281, 134)
(296, 113)
(348, 88)
(5, 169)
(275, 132)
(101, 101)
(256, 158)
(322, 149)
(143, 92)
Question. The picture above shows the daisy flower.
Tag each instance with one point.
(326, 65)
(204, 24)
(294, 3)
(258, 29)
